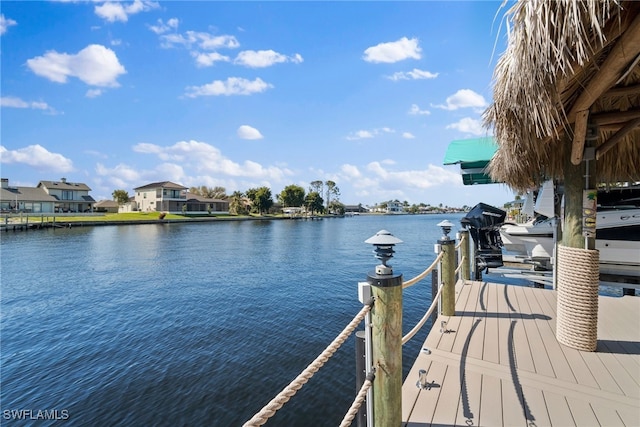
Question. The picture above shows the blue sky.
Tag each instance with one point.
(248, 94)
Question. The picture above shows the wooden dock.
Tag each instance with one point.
(498, 363)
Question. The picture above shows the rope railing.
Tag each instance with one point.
(462, 261)
(426, 316)
(289, 391)
(357, 402)
(424, 274)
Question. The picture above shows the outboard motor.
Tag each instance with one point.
(484, 222)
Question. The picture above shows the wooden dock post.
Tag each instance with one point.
(465, 270)
(448, 270)
(386, 319)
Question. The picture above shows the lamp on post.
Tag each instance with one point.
(386, 319)
(384, 242)
(446, 226)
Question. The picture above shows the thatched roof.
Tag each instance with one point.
(568, 64)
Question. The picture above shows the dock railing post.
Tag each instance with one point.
(448, 269)
(465, 271)
(386, 319)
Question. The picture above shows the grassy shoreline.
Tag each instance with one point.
(125, 218)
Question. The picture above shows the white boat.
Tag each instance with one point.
(534, 239)
(617, 236)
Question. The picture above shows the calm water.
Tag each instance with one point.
(193, 324)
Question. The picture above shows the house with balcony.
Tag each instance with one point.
(70, 196)
(395, 208)
(167, 196)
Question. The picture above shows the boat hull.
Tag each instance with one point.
(617, 240)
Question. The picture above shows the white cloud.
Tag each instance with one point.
(422, 179)
(415, 110)
(124, 173)
(264, 58)
(415, 74)
(408, 135)
(469, 125)
(351, 171)
(161, 27)
(232, 86)
(393, 51)
(5, 23)
(204, 158)
(93, 93)
(95, 65)
(38, 157)
(464, 98)
(120, 11)
(248, 132)
(14, 102)
(205, 41)
(366, 134)
(208, 59)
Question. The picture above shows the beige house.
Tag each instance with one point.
(108, 206)
(167, 196)
(164, 196)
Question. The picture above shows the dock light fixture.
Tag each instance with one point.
(383, 242)
(446, 226)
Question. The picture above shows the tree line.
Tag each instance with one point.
(259, 200)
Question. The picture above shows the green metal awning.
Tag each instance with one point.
(473, 156)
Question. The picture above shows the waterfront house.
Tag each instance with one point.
(46, 197)
(164, 196)
(25, 199)
(198, 205)
(394, 208)
(167, 196)
(106, 206)
(70, 196)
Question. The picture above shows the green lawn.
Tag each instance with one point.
(130, 216)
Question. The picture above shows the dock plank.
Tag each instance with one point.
(490, 349)
(541, 361)
(535, 407)
(446, 412)
(607, 416)
(491, 402)
(469, 403)
(558, 410)
(582, 412)
(427, 400)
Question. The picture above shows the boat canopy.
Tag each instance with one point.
(473, 156)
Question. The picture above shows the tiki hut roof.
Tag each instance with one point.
(570, 75)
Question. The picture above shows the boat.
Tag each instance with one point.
(617, 235)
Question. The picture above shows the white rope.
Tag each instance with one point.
(422, 275)
(357, 402)
(462, 261)
(289, 391)
(422, 321)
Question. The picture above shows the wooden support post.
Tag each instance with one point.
(465, 270)
(386, 318)
(573, 187)
(579, 134)
(448, 276)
